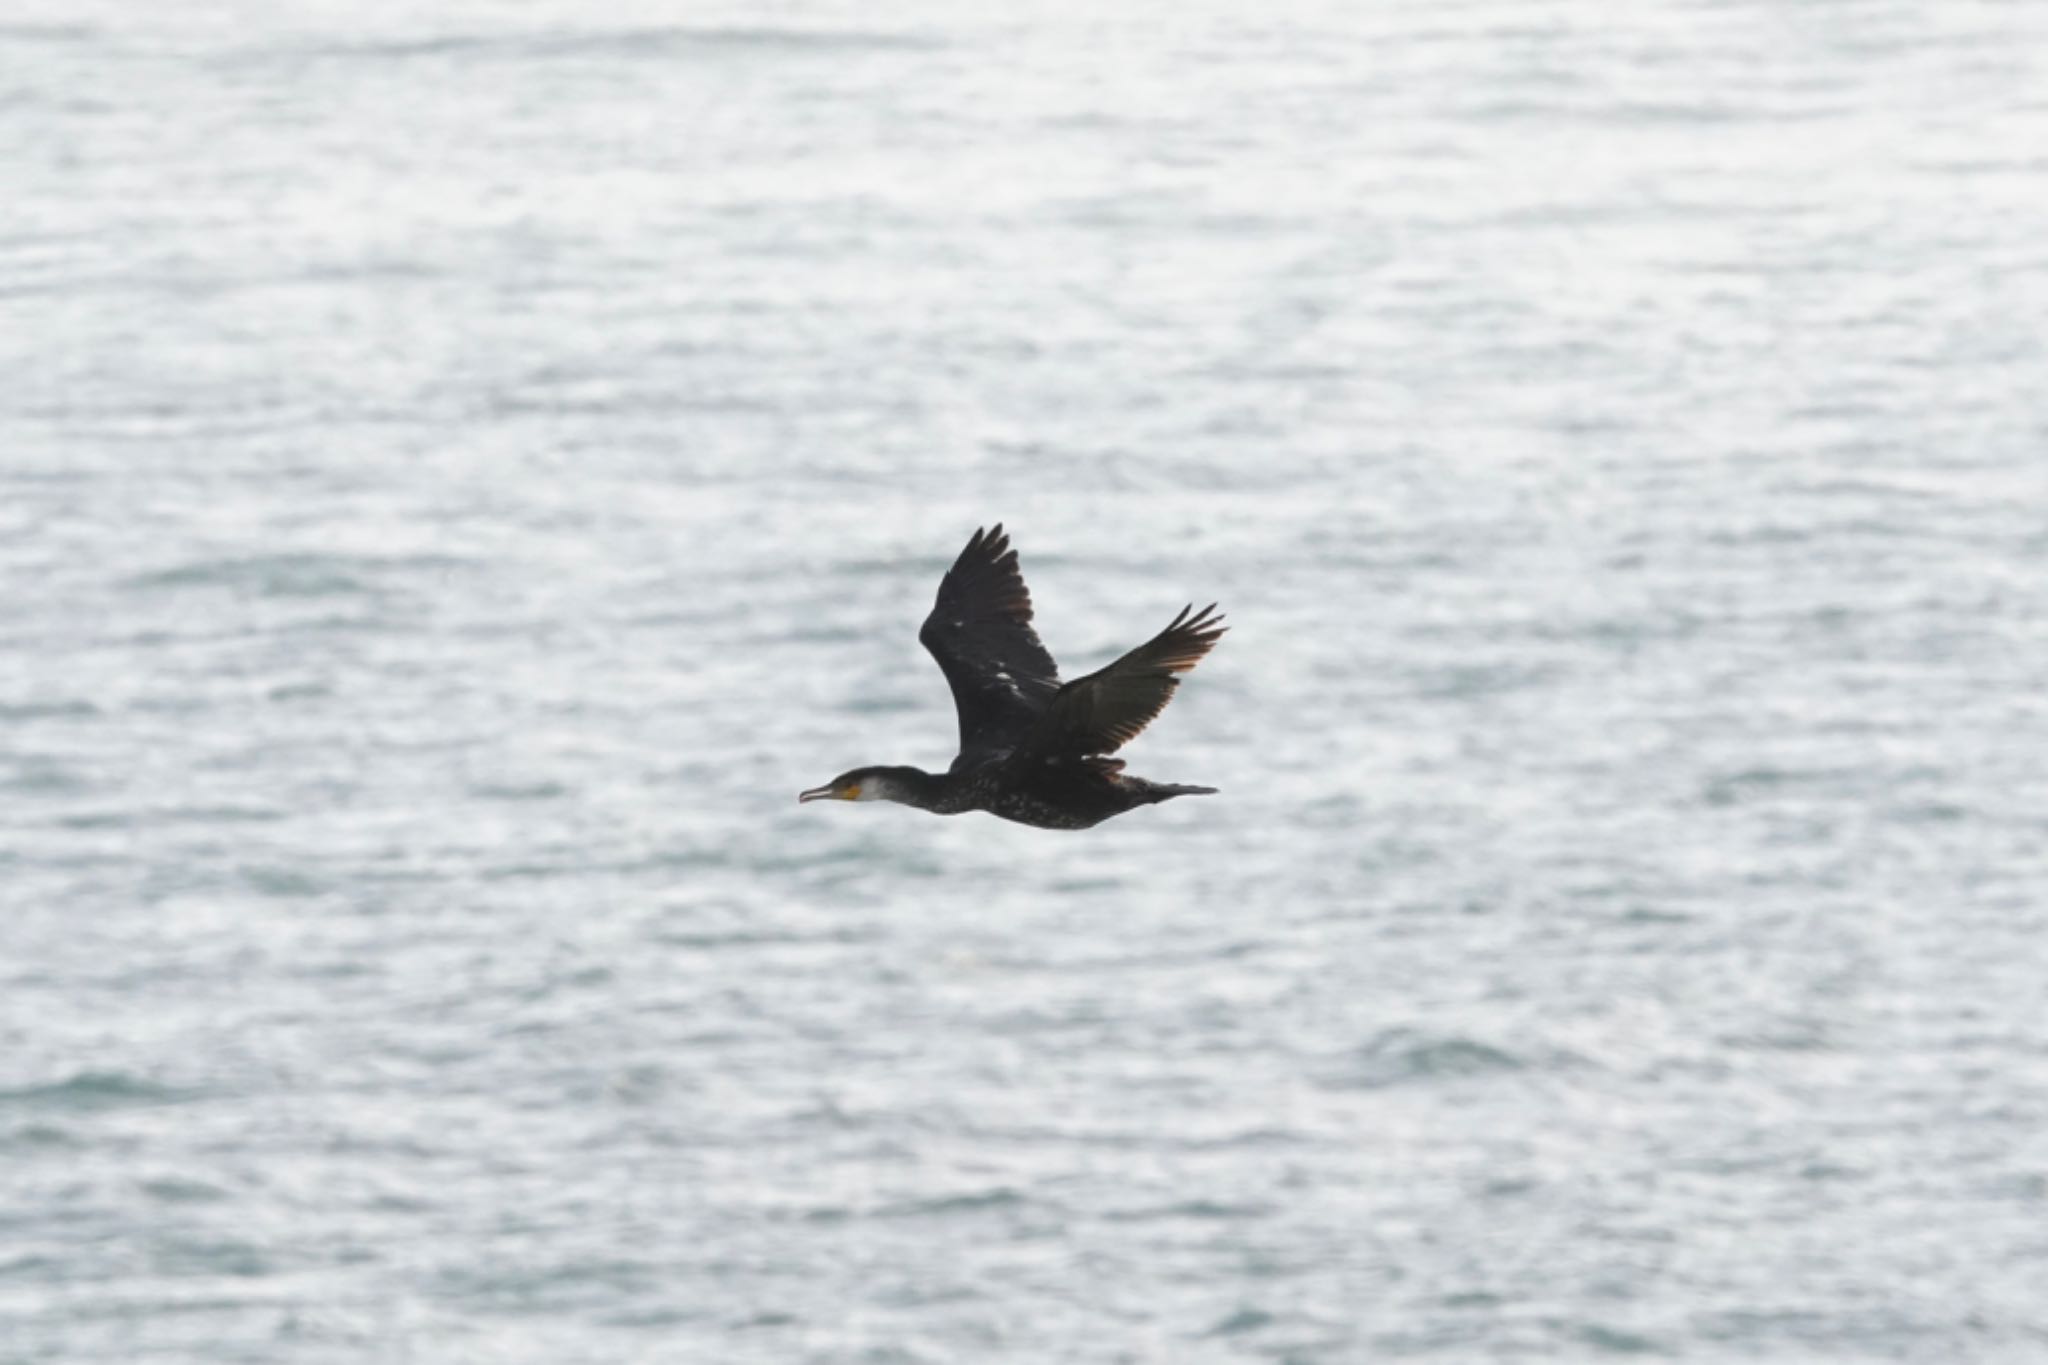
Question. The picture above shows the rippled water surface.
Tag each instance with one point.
(463, 468)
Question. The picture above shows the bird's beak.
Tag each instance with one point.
(815, 794)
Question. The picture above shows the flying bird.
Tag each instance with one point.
(1032, 749)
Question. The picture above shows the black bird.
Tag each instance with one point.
(1031, 749)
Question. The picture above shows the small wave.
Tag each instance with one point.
(970, 1201)
(637, 43)
(222, 1256)
(805, 40)
(174, 1190)
(1615, 1341)
(1464, 682)
(1138, 1139)
(734, 938)
(89, 1090)
(1644, 914)
(1400, 1055)
(1242, 1321)
(32, 32)
(39, 1137)
(288, 575)
(1728, 789)
(518, 791)
(1197, 1209)
(173, 815)
(282, 883)
(1932, 813)
(266, 575)
(1796, 1033)
(47, 710)
(37, 777)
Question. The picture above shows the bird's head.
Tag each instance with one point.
(861, 784)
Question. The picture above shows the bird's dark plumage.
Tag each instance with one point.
(980, 632)
(1032, 750)
(1106, 710)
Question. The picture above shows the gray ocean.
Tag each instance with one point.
(464, 467)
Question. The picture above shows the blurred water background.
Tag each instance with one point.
(463, 467)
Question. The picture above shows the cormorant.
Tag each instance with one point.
(1031, 749)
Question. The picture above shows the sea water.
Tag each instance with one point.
(464, 468)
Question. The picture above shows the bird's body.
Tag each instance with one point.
(1032, 750)
(1057, 793)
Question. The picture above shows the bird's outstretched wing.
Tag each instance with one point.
(980, 632)
(1107, 709)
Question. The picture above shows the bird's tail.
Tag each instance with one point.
(1166, 791)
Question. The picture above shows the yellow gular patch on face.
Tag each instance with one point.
(851, 793)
